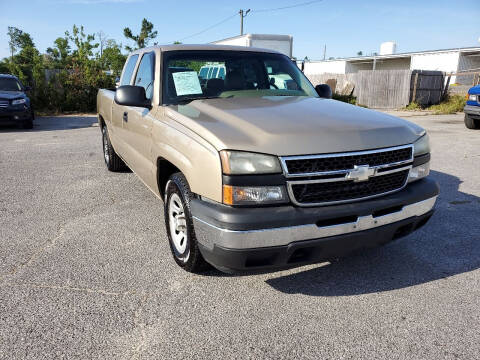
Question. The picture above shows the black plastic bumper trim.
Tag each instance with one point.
(254, 218)
(421, 159)
(308, 251)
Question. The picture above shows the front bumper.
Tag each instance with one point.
(472, 110)
(239, 239)
(10, 115)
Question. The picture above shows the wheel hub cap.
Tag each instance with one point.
(178, 223)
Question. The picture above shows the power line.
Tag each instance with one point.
(288, 7)
(208, 28)
(234, 15)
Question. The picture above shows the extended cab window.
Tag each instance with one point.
(128, 72)
(145, 74)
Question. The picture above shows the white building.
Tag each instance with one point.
(448, 61)
(280, 43)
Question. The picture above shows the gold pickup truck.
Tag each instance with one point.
(258, 176)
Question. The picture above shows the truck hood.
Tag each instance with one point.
(292, 125)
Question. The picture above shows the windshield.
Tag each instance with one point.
(10, 84)
(190, 75)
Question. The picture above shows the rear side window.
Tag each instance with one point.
(128, 72)
(145, 73)
(221, 73)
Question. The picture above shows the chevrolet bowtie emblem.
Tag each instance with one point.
(361, 173)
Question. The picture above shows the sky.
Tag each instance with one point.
(344, 26)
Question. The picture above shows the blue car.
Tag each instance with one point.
(15, 107)
(472, 108)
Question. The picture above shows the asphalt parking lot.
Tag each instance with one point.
(85, 269)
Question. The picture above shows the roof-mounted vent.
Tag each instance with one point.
(388, 48)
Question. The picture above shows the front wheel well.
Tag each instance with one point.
(101, 121)
(165, 169)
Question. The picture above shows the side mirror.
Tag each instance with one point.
(324, 91)
(130, 95)
(27, 88)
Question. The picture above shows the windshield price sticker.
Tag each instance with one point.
(186, 83)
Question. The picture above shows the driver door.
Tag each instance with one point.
(139, 121)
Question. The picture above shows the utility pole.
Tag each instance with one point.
(243, 14)
(324, 52)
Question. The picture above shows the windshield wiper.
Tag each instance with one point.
(189, 99)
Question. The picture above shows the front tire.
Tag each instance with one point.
(28, 124)
(112, 160)
(179, 225)
(471, 123)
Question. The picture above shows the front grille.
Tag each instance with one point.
(4, 103)
(314, 180)
(310, 165)
(326, 192)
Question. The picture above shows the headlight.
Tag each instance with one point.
(18, 101)
(253, 195)
(472, 97)
(421, 146)
(246, 163)
(419, 172)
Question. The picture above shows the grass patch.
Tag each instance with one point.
(413, 106)
(451, 105)
(350, 99)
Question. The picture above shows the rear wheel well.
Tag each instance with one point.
(164, 170)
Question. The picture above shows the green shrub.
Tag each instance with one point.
(451, 105)
(413, 106)
(350, 99)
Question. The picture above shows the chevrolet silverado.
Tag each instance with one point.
(256, 175)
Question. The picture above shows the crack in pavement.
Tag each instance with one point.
(72, 288)
(137, 349)
(35, 255)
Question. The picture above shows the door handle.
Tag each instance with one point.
(125, 116)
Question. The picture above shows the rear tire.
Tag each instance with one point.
(471, 123)
(179, 225)
(112, 160)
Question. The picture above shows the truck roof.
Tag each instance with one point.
(205, 47)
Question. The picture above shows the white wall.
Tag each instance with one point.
(323, 67)
(278, 43)
(467, 63)
(354, 67)
(238, 41)
(393, 64)
(282, 46)
(447, 61)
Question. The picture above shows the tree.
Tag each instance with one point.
(142, 39)
(83, 43)
(102, 38)
(360, 53)
(60, 52)
(18, 40)
(112, 57)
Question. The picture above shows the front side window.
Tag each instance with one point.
(128, 72)
(145, 74)
(10, 84)
(233, 74)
